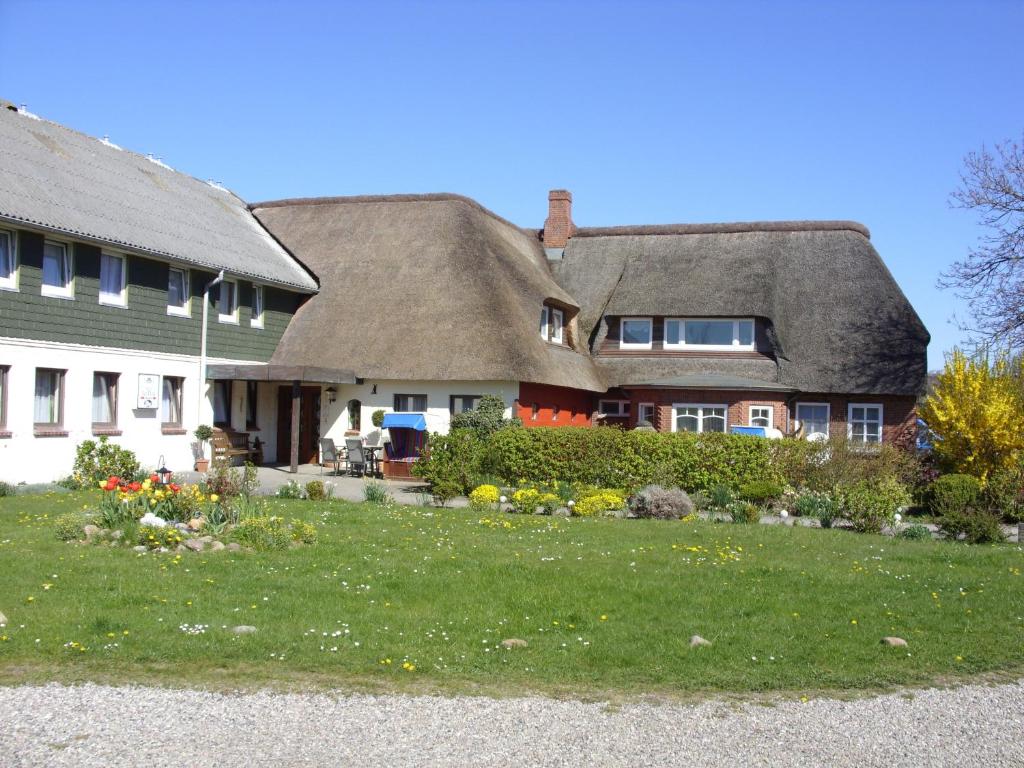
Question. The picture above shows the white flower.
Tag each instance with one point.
(783, 514)
(898, 517)
(503, 499)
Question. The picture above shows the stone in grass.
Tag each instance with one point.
(195, 523)
(234, 546)
(139, 548)
(196, 545)
(216, 546)
(514, 642)
(3, 620)
(698, 642)
(244, 629)
(90, 531)
(895, 642)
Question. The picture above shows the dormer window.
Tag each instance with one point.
(711, 334)
(552, 324)
(636, 333)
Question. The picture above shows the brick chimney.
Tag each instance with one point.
(558, 226)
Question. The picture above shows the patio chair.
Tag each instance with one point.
(329, 455)
(356, 455)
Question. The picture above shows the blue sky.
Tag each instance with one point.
(648, 112)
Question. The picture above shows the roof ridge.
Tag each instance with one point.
(824, 225)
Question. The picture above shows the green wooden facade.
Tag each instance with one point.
(143, 323)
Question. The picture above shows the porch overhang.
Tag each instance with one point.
(711, 381)
(280, 373)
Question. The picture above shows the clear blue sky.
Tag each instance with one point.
(648, 112)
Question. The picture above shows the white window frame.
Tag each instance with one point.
(113, 394)
(771, 415)
(623, 344)
(545, 319)
(60, 292)
(881, 422)
(622, 408)
(256, 321)
(121, 299)
(828, 415)
(232, 316)
(185, 310)
(640, 411)
(10, 282)
(557, 321)
(700, 415)
(734, 347)
(179, 391)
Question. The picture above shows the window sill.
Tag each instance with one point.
(175, 313)
(171, 429)
(49, 432)
(118, 304)
(9, 287)
(58, 295)
(228, 321)
(108, 431)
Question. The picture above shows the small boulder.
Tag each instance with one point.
(244, 629)
(216, 546)
(206, 539)
(90, 531)
(117, 535)
(697, 641)
(196, 523)
(196, 545)
(514, 642)
(562, 512)
(139, 548)
(895, 642)
(3, 620)
(234, 546)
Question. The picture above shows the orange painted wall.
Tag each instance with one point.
(541, 405)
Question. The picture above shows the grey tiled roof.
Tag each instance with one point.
(58, 179)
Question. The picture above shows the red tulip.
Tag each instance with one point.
(135, 487)
(154, 478)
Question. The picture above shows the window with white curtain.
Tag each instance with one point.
(3, 396)
(635, 333)
(813, 418)
(57, 271)
(544, 316)
(645, 412)
(711, 334)
(557, 325)
(257, 307)
(112, 279)
(8, 265)
(104, 399)
(761, 415)
(864, 423)
(48, 410)
(170, 401)
(177, 292)
(699, 418)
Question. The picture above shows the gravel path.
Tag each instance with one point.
(94, 725)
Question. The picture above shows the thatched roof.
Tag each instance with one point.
(839, 322)
(61, 180)
(428, 287)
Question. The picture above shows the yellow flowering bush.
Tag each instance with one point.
(975, 413)
(526, 500)
(484, 496)
(597, 502)
(154, 538)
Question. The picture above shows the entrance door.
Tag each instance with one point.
(309, 424)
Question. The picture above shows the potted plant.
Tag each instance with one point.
(202, 434)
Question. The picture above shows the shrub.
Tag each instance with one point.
(377, 418)
(303, 532)
(720, 497)
(974, 524)
(96, 461)
(68, 527)
(871, 505)
(484, 497)
(1004, 494)
(744, 512)
(375, 493)
(821, 506)
(653, 501)
(823, 466)
(915, 532)
(223, 479)
(315, 490)
(452, 460)
(525, 501)
(6, 489)
(598, 502)
(953, 493)
(264, 533)
(488, 417)
(444, 491)
(760, 491)
(549, 502)
(290, 490)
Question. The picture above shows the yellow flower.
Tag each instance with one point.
(214, 498)
(603, 617)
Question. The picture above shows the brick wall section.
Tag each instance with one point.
(574, 407)
(144, 322)
(558, 226)
(899, 414)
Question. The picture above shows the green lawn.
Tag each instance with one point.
(606, 606)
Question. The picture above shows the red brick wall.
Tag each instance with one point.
(738, 404)
(899, 414)
(574, 407)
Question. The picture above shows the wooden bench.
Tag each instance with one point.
(228, 444)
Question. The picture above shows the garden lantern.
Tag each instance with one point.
(163, 473)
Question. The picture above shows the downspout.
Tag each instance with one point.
(202, 343)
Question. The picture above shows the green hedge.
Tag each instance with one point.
(603, 457)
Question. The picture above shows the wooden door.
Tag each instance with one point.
(309, 424)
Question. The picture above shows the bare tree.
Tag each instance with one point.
(991, 277)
